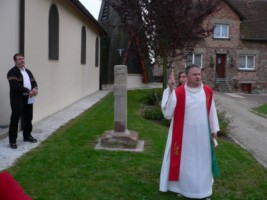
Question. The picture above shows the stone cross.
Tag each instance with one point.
(120, 98)
(120, 137)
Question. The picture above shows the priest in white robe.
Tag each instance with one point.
(189, 161)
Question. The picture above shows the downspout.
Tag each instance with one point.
(21, 39)
(22, 26)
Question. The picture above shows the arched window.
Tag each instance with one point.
(96, 51)
(83, 46)
(53, 33)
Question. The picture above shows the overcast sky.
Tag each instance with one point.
(93, 6)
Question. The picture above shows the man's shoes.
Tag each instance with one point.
(13, 145)
(30, 139)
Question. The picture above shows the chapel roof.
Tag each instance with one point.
(88, 15)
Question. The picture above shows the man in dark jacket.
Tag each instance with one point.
(23, 89)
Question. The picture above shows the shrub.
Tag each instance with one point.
(153, 112)
(166, 122)
(154, 97)
(224, 123)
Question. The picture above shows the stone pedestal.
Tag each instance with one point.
(120, 137)
(111, 139)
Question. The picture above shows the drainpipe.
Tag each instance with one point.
(21, 38)
(22, 26)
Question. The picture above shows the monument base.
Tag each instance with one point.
(112, 139)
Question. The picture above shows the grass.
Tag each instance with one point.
(261, 109)
(67, 167)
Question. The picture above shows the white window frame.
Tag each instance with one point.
(194, 60)
(221, 30)
(246, 67)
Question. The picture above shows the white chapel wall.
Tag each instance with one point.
(64, 81)
(9, 45)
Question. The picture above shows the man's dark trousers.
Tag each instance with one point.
(20, 109)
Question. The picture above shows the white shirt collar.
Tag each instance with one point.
(193, 90)
(22, 69)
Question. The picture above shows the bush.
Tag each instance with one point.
(153, 112)
(153, 98)
(166, 122)
(224, 123)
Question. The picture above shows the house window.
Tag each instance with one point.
(247, 62)
(194, 59)
(96, 51)
(83, 46)
(221, 31)
(53, 33)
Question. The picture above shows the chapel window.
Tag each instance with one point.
(97, 52)
(83, 46)
(53, 33)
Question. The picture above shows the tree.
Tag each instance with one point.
(166, 28)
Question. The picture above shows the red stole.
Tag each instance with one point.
(10, 189)
(178, 126)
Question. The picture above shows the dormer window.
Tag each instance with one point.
(221, 31)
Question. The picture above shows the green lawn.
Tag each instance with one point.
(262, 109)
(67, 167)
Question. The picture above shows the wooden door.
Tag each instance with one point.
(220, 65)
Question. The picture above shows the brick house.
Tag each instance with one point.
(234, 58)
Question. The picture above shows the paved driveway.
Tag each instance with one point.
(248, 128)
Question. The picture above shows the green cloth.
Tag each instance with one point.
(215, 167)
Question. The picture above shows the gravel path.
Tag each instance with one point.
(248, 128)
(46, 127)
